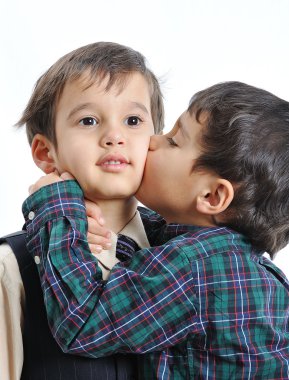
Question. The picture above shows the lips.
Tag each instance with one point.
(113, 163)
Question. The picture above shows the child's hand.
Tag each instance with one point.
(48, 179)
(45, 180)
(98, 236)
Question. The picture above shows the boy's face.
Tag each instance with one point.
(169, 185)
(103, 136)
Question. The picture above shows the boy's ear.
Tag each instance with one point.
(43, 153)
(216, 198)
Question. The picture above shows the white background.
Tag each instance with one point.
(190, 44)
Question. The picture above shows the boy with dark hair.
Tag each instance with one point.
(92, 114)
(206, 304)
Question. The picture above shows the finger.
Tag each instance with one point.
(94, 211)
(53, 176)
(44, 181)
(31, 189)
(66, 176)
(95, 228)
(95, 248)
(98, 240)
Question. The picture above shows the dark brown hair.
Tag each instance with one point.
(99, 60)
(246, 141)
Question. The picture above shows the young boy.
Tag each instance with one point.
(92, 114)
(206, 304)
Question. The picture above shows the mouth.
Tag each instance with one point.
(113, 163)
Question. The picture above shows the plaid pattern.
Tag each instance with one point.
(125, 247)
(203, 306)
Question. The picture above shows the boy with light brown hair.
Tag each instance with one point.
(206, 303)
(92, 114)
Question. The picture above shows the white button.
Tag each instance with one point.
(31, 215)
(37, 260)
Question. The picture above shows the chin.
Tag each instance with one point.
(117, 195)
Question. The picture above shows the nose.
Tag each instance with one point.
(112, 138)
(155, 141)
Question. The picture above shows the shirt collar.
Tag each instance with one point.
(135, 230)
(174, 229)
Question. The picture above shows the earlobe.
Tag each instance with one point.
(217, 198)
(43, 153)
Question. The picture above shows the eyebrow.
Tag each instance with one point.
(78, 108)
(87, 105)
(141, 106)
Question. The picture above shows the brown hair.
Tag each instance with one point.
(246, 141)
(99, 59)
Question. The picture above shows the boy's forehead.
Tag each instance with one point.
(87, 80)
(88, 88)
(189, 126)
(104, 82)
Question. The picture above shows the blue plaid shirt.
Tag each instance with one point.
(205, 305)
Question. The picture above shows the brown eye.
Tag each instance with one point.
(133, 121)
(88, 121)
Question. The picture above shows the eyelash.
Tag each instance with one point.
(95, 122)
(81, 121)
(139, 120)
(171, 141)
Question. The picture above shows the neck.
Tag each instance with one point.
(203, 220)
(117, 212)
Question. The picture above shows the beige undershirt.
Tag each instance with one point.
(12, 299)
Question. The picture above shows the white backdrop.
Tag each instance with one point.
(190, 44)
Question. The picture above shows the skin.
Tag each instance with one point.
(184, 195)
(103, 137)
(102, 141)
(172, 187)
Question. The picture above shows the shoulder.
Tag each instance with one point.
(12, 301)
(7, 257)
(153, 224)
(207, 242)
(151, 215)
(10, 276)
(221, 255)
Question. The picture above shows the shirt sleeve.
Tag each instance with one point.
(11, 315)
(145, 305)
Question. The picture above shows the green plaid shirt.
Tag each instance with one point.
(205, 305)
